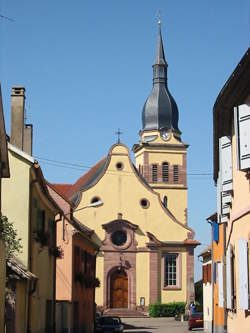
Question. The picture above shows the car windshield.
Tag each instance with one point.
(110, 321)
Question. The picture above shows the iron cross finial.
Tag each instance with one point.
(118, 133)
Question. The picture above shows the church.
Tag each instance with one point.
(146, 246)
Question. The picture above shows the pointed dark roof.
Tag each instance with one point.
(160, 110)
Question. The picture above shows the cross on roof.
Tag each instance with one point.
(118, 133)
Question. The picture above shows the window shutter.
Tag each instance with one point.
(209, 273)
(219, 196)
(215, 231)
(226, 163)
(243, 273)
(220, 284)
(229, 278)
(244, 136)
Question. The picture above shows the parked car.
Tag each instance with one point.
(108, 324)
(195, 320)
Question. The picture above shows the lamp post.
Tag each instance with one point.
(91, 205)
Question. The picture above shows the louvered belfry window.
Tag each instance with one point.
(154, 173)
(176, 174)
(165, 169)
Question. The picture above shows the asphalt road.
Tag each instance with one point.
(155, 325)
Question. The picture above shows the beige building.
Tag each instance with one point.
(4, 173)
(146, 245)
(27, 203)
(232, 175)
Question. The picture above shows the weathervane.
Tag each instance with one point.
(118, 133)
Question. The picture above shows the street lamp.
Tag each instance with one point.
(91, 205)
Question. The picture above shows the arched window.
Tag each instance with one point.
(165, 201)
(176, 174)
(154, 173)
(165, 172)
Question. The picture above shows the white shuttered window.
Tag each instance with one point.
(226, 163)
(242, 130)
(220, 284)
(243, 273)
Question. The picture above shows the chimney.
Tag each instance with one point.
(28, 138)
(17, 116)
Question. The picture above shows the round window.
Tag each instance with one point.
(95, 199)
(119, 238)
(119, 166)
(144, 203)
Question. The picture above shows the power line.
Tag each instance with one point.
(79, 167)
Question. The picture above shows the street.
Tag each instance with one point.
(152, 325)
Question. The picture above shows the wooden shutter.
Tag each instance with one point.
(244, 136)
(204, 273)
(209, 273)
(226, 163)
(215, 231)
(243, 273)
(229, 277)
(220, 284)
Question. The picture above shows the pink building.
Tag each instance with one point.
(75, 271)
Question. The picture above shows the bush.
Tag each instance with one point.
(166, 310)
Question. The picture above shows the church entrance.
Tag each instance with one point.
(119, 289)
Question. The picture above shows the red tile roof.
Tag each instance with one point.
(79, 184)
(68, 190)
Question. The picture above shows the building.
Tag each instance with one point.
(27, 203)
(4, 173)
(146, 245)
(205, 257)
(231, 227)
(75, 271)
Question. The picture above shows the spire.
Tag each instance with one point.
(160, 56)
(160, 111)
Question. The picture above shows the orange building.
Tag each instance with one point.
(75, 272)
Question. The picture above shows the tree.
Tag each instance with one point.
(9, 235)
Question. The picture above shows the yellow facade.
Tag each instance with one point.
(15, 193)
(121, 192)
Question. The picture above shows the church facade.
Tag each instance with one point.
(146, 246)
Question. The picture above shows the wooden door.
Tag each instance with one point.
(119, 290)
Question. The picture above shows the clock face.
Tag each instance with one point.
(165, 135)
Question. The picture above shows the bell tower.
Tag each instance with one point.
(160, 155)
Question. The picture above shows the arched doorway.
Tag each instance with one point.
(119, 289)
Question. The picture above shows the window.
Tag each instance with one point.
(165, 172)
(154, 173)
(119, 237)
(40, 220)
(176, 174)
(204, 274)
(139, 168)
(144, 203)
(165, 201)
(95, 199)
(170, 270)
(242, 131)
(119, 166)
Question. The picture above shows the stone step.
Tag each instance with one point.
(125, 313)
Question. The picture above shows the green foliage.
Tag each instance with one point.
(9, 235)
(166, 310)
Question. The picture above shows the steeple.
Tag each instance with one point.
(160, 111)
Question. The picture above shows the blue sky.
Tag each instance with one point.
(86, 67)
